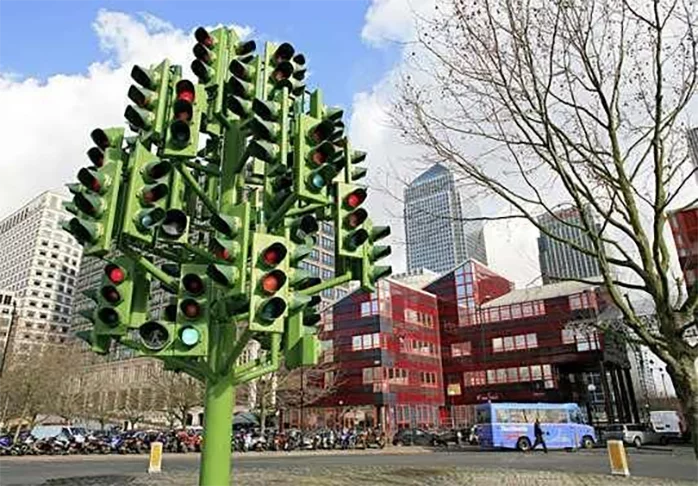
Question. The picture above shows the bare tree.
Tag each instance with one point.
(546, 104)
(177, 394)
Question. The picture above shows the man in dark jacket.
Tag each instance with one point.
(538, 432)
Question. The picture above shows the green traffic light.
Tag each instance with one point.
(189, 336)
(149, 218)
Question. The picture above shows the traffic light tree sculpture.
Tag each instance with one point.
(223, 183)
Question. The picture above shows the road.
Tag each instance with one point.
(677, 463)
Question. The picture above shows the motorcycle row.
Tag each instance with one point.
(294, 439)
(180, 441)
(129, 442)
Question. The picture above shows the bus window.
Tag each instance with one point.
(503, 416)
(517, 416)
(483, 416)
(576, 416)
(555, 416)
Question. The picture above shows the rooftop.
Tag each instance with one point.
(542, 292)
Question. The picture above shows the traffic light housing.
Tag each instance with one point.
(317, 158)
(230, 244)
(350, 232)
(147, 195)
(150, 98)
(187, 336)
(120, 280)
(269, 283)
(370, 272)
(95, 197)
(182, 134)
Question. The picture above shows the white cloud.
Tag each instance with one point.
(48, 122)
(393, 20)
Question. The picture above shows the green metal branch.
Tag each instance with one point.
(278, 215)
(167, 280)
(305, 209)
(327, 284)
(272, 366)
(202, 168)
(191, 182)
(237, 349)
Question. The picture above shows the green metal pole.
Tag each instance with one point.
(218, 409)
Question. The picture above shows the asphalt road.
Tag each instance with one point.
(677, 463)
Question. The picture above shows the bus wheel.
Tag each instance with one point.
(523, 444)
(587, 442)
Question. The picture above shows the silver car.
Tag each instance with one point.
(634, 434)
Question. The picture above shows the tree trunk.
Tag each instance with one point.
(685, 380)
(262, 415)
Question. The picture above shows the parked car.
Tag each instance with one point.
(419, 437)
(637, 435)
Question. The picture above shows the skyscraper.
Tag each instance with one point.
(558, 260)
(39, 263)
(438, 237)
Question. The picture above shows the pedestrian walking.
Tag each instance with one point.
(538, 432)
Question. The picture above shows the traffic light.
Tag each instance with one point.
(147, 196)
(370, 273)
(120, 280)
(230, 244)
(147, 115)
(317, 157)
(188, 334)
(351, 235)
(182, 136)
(95, 197)
(269, 283)
(287, 69)
(242, 85)
(303, 229)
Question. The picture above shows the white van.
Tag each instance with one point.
(667, 422)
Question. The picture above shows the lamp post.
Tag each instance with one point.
(591, 388)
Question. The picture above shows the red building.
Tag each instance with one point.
(408, 357)
(684, 226)
(386, 350)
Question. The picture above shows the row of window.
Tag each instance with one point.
(377, 374)
(514, 343)
(428, 378)
(510, 375)
(365, 341)
(415, 346)
(420, 318)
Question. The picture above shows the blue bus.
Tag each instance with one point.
(510, 425)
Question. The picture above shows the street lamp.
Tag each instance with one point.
(591, 388)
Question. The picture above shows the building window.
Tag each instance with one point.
(474, 378)
(427, 378)
(511, 343)
(365, 341)
(372, 375)
(398, 376)
(461, 349)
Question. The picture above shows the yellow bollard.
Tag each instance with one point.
(155, 465)
(617, 458)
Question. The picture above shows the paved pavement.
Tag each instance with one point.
(404, 466)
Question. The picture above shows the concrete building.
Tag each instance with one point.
(6, 313)
(39, 264)
(438, 235)
(558, 260)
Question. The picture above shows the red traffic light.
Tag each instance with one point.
(273, 281)
(190, 308)
(100, 139)
(185, 91)
(115, 273)
(355, 198)
(274, 254)
(193, 284)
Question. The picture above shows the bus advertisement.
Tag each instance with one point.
(510, 425)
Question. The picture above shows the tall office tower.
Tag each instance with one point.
(39, 263)
(438, 237)
(559, 261)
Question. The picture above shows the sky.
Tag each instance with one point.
(64, 70)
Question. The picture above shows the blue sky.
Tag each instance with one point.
(43, 38)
